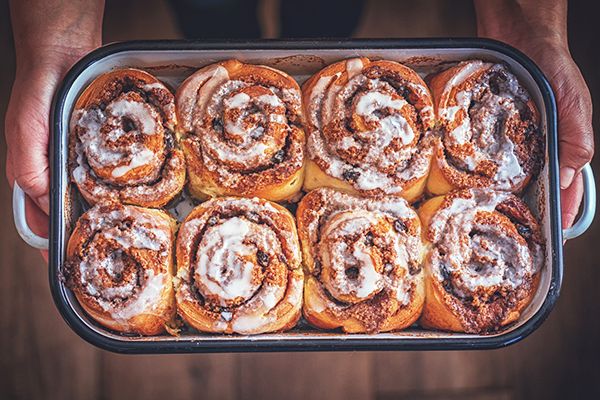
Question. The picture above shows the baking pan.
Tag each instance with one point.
(172, 61)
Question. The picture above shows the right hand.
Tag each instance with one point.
(27, 129)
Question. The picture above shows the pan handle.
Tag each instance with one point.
(20, 217)
(589, 205)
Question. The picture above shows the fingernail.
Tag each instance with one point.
(44, 203)
(566, 177)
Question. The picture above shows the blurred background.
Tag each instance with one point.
(40, 357)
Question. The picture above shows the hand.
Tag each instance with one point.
(538, 28)
(575, 132)
(50, 36)
(27, 130)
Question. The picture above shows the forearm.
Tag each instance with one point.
(521, 21)
(55, 31)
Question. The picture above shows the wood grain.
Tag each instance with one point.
(41, 358)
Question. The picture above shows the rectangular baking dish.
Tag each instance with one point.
(171, 61)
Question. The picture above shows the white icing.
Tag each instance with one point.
(509, 170)
(145, 301)
(154, 85)
(270, 99)
(508, 260)
(354, 67)
(239, 100)
(224, 271)
(143, 113)
(139, 159)
(371, 101)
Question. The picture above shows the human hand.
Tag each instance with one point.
(538, 29)
(50, 36)
(27, 130)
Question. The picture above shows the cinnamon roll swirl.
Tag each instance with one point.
(122, 146)
(239, 267)
(363, 261)
(119, 265)
(366, 128)
(482, 267)
(490, 130)
(244, 131)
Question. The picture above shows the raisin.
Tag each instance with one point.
(414, 268)
(446, 276)
(399, 226)
(524, 231)
(350, 175)
(127, 124)
(278, 157)
(217, 124)
(369, 239)
(262, 258)
(169, 141)
(352, 273)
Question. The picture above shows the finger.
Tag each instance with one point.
(570, 201)
(38, 222)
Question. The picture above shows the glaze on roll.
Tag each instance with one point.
(363, 261)
(366, 128)
(122, 144)
(120, 266)
(239, 267)
(483, 263)
(243, 127)
(490, 130)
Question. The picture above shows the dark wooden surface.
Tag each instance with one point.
(40, 358)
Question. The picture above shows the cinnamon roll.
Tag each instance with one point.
(122, 146)
(490, 130)
(363, 261)
(119, 265)
(482, 267)
(244, 131)
(239, 267)
(366, 128)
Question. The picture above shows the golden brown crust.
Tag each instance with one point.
(239, 267)
(366, 128)
(363, 262)
(244, 134)
(482, 266)
(122, 144)
(490, 130)
(120, 267)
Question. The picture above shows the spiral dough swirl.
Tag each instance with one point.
(119, 266)
(244, 127)
(364, 257)
(122, 145)
(486, 254)
(239, 267)
(367, 123)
